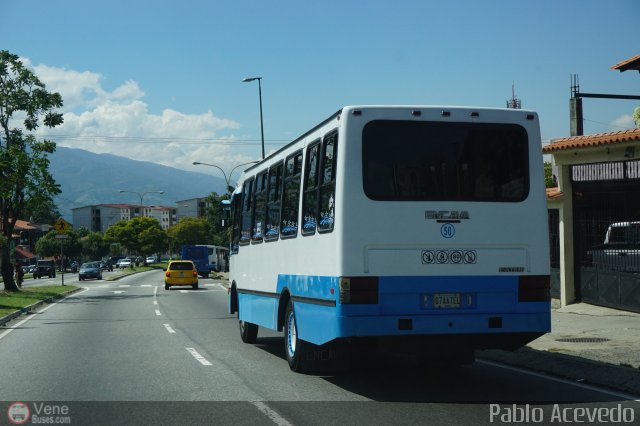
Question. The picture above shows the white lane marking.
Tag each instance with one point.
(222, 287)
(183, 291)
(169, 329)
(124, 285)
(155, 302)
(158, 313)
(118, 291)
(202, 360)
(146, 285)
(560, 380)
(155, 291)
(6, 332)
(270, 413)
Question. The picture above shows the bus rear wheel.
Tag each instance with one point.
(295, 349)
(248, 331)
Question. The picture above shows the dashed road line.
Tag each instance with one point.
(270, 413)
(40, 311)
(169, 329)
(158, 313)
(202, 360)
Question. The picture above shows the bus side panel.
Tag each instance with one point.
(314, 299)
(260, 310)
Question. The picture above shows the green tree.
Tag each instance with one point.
(190, 230)
(50, 246)
(140, 235)
(47, 212)
(94, 246)
(25, 181)
(549, 180)
(219, 235)
(636, 116)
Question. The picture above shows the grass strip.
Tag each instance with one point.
(14, 301)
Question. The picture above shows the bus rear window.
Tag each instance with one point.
(427, 161)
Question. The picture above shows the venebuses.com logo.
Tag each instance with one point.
(18, 413)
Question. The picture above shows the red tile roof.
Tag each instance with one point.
(599, 139)
(628, 64)
(23, 225)
(24, 252)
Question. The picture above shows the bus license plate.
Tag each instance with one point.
(449, 301)
(446, 300)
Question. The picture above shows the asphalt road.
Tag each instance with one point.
(130, 352)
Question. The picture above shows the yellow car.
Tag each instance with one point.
(181, 272)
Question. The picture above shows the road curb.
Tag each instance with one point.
(620, 378)
(28, 309)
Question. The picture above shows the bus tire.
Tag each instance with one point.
(248, 331)
(296, 350)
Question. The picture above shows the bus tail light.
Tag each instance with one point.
(195, 274)
(167, 274)
(534, 288)
(359, 290)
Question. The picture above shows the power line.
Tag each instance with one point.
(606, 124)
(160, 140)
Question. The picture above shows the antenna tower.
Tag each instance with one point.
(514, 103)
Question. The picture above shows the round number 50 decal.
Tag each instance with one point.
(448, 230)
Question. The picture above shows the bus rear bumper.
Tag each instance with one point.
(481, 331)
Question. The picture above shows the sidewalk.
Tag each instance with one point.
(587, 343)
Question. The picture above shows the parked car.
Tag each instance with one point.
(106, 265)
(45, 267)
(124, 263)
(152, 259)
(29, 269)
(181, 272)
(620, 250)
(90, 270)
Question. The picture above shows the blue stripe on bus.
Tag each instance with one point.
(400, 298)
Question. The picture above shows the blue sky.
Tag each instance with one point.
(161, 81)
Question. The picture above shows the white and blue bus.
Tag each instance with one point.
(418, 227)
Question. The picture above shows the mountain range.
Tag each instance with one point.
(87, 178)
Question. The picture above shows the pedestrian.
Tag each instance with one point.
(19, 275)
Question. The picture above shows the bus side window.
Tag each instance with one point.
(274, 201)
(291, 195)
(245, 230)
(328, 183)
(310, 197)
(236, 217)
(259, 207)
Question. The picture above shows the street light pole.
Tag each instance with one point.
(226, 179)
(198, 163)
(250, 79)
(141, 195)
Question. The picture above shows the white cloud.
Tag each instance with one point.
(625, 121)
(119, 122)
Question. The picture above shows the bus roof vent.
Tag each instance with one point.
(446, 113)
(475, 114)
(416, 113)
(356, 112)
